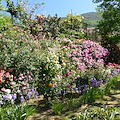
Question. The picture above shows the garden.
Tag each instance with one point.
(49, 67)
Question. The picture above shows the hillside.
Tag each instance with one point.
(91, 18)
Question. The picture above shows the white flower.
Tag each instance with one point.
(18, 91)
(108, 71)
(8, 91)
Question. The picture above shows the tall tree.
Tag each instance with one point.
(1, 6)
(109, 27)
(110, 10)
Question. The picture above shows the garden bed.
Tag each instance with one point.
(112, 99)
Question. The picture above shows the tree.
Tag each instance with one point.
(110, 10)
(109, 27)
(21, 11)
(1, 6)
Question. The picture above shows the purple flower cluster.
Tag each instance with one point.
(96, 83)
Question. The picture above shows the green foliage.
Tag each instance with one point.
(1, 6)
(104, 113)
(92, 23)
(111, 14)
(109, 27)
(50, 26)
(72, 25)
(21, 11)
(57, 108)
(16, 112)
(110, 42)
(49, 68)
(73, 104)
(4, 21)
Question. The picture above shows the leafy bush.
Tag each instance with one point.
(49, 26)
(72, 25)
(17, 60)
(16, 112)
(104, 113)
(4, 21)
(57, 108)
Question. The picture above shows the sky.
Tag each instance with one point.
(63, 7)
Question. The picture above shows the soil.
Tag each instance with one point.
(46, 113)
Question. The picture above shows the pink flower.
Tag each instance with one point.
(67, 74)
(12, 83)
(5, 54)
(29, 89)
(27, 72)
(4, 33)
(20, 78)
(55, 84)
(68, 86)
(4, 45)
(24, 88)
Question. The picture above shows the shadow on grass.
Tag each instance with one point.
(117, 86)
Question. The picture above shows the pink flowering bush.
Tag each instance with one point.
(22, 53)
(49, 26)
(19, 53)
(11, 89)
(85, 54)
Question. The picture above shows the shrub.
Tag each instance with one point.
(104, 113)
(16, 112)
(49, 26)
(17, 60)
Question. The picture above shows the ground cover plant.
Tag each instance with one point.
(16, 112)
(104, 113)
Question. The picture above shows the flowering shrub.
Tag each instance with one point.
(19, 53)
(72, 25)
(29, 66)
(11, 89)
(49, 26)
(49, 75)
(84, 54)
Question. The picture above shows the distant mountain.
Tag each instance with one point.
(91, 18)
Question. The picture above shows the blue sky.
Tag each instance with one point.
(63, 7)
